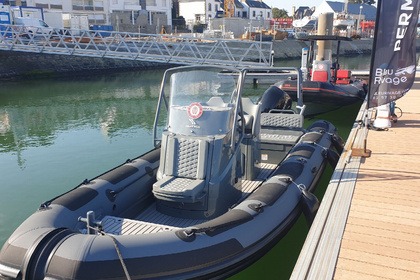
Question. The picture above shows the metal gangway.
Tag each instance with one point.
(161, 48)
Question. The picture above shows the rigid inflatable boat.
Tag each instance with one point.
(325, 85)
(226, 180)
(323, 96)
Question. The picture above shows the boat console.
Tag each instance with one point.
(200, 170)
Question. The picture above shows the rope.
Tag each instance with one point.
(320, 146)
(301, 187)
(99, 230)
(127, 275)
(120, 257)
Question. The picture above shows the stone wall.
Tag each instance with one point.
(293, 48)
(32, 65)
(24, 65)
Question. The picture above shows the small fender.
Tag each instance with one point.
(310, 204)
(332, 158)
(337, 142)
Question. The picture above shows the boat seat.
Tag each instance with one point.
(182, 172)
(290, 125)
(320, 76)
(343, 76)
(279, 133)
(282, 120)
(177, 189)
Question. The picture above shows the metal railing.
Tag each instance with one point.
(136, 46)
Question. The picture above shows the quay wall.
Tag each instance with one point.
(34, 65)
(293, 48)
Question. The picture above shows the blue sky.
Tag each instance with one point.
(287, 5)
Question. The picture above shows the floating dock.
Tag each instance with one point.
(368, 224)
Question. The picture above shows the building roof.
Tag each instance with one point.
(368, 11)
(250, 3)
(257, 4)
(236, 2)
(302, 12)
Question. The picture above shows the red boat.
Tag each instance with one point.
(325, 86)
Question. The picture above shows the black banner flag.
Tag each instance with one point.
(393, 65)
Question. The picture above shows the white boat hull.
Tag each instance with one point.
(305, 23)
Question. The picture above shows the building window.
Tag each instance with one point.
(151, 3)
(253, 14)
(268, 15)
(38, 5)
(209, 7)
(88, 5)
(57, 7)
(97, 19)
(99, 5)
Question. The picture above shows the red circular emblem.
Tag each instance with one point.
(195, 110)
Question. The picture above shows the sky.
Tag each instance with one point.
(287, 4)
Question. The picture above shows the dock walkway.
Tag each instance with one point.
(368, 225)
(163, 48)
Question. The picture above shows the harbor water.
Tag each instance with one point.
(54, 133)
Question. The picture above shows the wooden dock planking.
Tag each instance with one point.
(368, 225)
(382, 235)
(319, 253)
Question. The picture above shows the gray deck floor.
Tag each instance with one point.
(152, 221)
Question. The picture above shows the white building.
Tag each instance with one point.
(194, 11)
(142, 16)
(201, 11)
(100, 12)
(356, 11)
(258, 10)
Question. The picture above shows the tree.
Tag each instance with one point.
(179, 22)
(277, 13)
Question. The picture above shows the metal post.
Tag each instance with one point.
(261, 33)
(360, 14)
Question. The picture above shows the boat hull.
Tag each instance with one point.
(322, 97)
(306, 23)
(53, 242)
(226, 180)
(343, 23)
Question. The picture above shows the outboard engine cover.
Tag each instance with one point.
(275, 98)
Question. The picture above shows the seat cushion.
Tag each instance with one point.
(177, 189)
